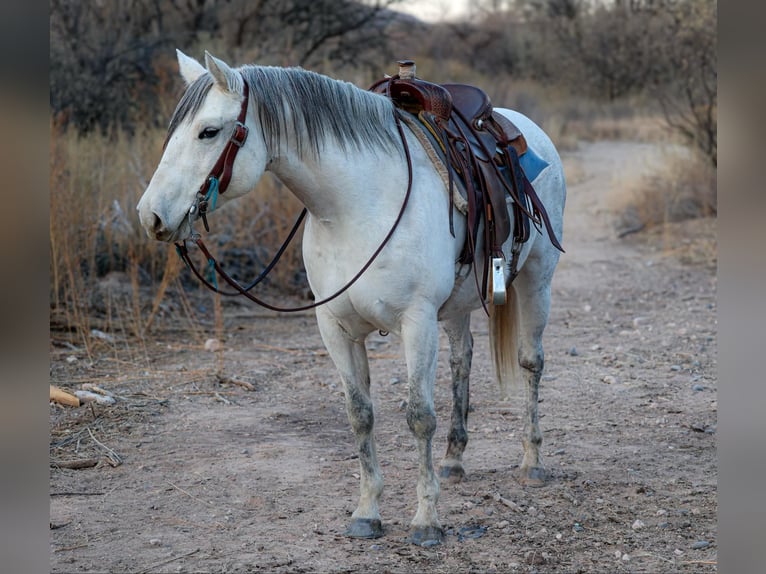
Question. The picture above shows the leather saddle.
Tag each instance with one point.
(482, 148)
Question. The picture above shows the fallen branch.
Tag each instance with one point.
(219, 398)
(113, 458)
(509, 503)
(224, 380)
(76, 464)
(189, 494)
(63, 397)
(75, 493)
(153, 567)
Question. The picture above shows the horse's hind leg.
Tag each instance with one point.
(461, 352)
(350, 358)
(533, 289)
(420, 335)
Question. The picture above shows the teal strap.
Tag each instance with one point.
(212, 277)
(212, 193)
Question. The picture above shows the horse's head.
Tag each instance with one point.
(202, 127)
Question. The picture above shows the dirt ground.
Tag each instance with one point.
(199, 476)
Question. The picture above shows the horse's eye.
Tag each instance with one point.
(208, 133)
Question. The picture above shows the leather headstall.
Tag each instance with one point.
(219, 177)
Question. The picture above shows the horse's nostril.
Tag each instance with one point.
(157, 225)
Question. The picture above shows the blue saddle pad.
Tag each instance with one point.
(532, 164)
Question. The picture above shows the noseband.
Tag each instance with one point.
(220, 176)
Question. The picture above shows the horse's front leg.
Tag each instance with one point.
(461, 352)
(420, 336)
(350, 358)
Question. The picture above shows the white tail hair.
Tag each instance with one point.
(504, 342)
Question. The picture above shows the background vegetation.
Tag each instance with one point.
(585, 69)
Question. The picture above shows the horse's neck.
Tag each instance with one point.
(340, 183)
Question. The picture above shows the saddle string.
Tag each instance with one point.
(240, 290)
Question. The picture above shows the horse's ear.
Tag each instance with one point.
(220, 71)
(190, 68)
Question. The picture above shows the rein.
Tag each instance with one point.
(208, 193)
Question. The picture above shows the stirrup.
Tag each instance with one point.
(497, 281)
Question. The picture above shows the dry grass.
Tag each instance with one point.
(676, 205)
(105, 274)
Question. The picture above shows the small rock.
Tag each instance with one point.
(577, 527)
(502, 524)
(609, 380)
(675, 367)
(535, 558)
(213, 345)
(71, 359)
(395, 380)
(101, 335)
(559, 536)
(595, 347)
(618, 554)
(155, 542)
(638, 525)
(89, 397)
(573, 352)
(700, 545)
(625, 557)
(662, 512)
(678, 552)
(402, 405)
(698, 388)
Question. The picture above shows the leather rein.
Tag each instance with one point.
(217, 183)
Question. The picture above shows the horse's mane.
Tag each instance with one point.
(292, 101)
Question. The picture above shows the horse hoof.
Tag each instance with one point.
(533, 476)
(427, 536)
(452, 474)
(364, 528)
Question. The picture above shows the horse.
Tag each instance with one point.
(341, 151)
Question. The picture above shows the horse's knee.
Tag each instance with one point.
(360, 410)
(421, 420)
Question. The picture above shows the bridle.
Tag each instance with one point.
(217, 183)
(219, 177)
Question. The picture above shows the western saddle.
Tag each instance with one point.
(482, 149)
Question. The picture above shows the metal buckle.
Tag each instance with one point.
(239, 137)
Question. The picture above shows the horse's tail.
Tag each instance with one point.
(504, 341)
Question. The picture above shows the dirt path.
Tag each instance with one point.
(218, 478)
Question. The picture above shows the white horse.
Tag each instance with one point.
(337, 148)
